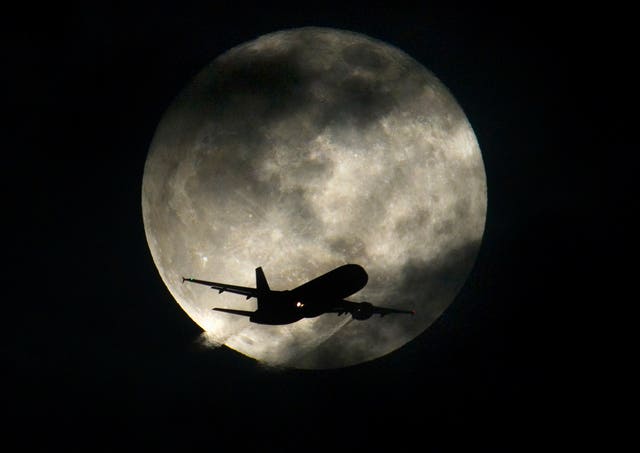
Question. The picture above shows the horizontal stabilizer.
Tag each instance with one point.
(235, 312)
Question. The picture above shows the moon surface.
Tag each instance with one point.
(301, 151)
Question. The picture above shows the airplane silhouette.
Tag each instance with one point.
(324, 294)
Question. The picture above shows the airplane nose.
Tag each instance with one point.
(359, 274)
(355, 275)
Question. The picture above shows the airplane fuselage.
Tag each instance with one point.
(279, 308)
(312, 299)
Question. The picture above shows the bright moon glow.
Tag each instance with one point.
(299, 152)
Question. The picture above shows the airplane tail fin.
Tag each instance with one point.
(261, 282)
(263, 289)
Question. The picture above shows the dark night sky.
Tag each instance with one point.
(99, 354)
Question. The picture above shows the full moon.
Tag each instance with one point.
(301, 151)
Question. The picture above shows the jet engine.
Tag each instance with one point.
(363, 311)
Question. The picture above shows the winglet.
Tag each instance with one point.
(183, 279)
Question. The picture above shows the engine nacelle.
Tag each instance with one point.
(363, 311)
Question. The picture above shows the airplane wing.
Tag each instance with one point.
(385, 311)
(364, 310)
(222, 287)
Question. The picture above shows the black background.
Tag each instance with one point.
(99, 355)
